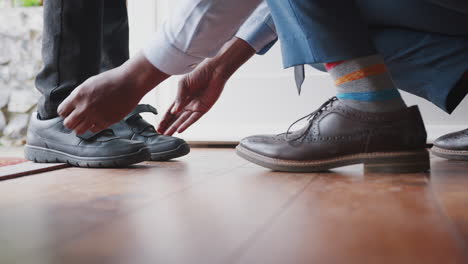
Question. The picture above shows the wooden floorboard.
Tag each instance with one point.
(213, 207)
(449, 183)
(61, 205)
(341, 219)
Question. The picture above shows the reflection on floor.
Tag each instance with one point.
(213, 207)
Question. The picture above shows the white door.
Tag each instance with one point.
(261, 97)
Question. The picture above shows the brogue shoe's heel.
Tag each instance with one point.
(399, 162)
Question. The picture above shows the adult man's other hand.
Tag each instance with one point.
(200, 89)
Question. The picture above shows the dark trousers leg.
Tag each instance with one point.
(115, 34)
(72, 42)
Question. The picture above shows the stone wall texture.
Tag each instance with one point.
(20, 61)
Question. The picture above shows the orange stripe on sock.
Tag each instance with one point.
(362, 73)
(331, 65)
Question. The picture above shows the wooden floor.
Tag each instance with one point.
(213, 207)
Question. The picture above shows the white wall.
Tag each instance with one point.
(144, 18)
(261, 97)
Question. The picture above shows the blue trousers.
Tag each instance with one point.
(423, 42)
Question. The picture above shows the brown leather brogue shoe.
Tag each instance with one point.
(337, 135)
(453, 146)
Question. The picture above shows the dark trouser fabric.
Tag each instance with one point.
(81, 39)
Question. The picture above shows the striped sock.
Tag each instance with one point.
(365, 84)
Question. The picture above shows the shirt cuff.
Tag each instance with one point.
(258, 36)
(168, 58)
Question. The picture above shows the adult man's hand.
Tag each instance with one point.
(200, 89)
(105, 99)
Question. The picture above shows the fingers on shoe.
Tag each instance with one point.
(190, 121)
(181, 119)
(65, 108)
(83, 127)
(73, 120)
(98, 128)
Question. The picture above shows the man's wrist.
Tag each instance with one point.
(142, 74)
(231, 58)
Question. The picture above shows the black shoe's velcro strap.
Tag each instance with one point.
(106, 133)
(141, 108)
(137, 123)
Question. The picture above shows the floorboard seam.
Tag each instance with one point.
(5, 176)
